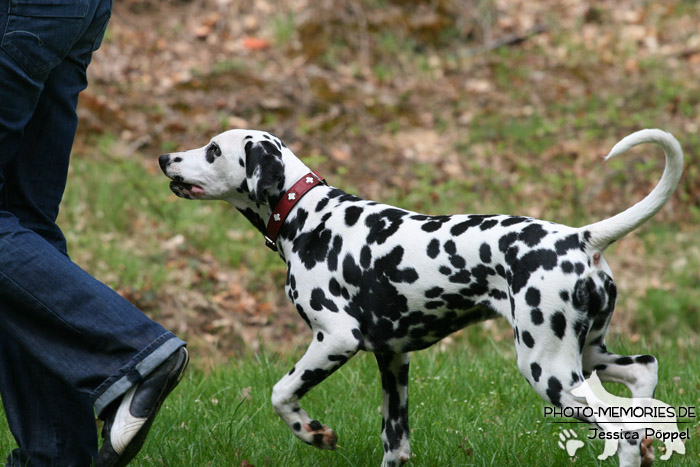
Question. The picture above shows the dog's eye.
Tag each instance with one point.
(213, 151)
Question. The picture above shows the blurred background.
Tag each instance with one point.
(444, 106)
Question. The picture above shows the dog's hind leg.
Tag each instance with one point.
(637, 372)
(327, 353)
(553, 368)
(394, 371)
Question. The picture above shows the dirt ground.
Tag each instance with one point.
(376, 90)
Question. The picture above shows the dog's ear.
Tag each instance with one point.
(264, 170)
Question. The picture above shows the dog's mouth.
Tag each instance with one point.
(186, 190)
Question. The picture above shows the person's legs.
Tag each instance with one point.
(62, 421)
(63, 333)
(86, 336)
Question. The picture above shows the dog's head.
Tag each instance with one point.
(236, 166)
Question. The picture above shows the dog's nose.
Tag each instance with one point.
(163, 161)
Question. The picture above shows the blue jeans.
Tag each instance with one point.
(69, 345)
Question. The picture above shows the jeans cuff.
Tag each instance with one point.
(132, 374)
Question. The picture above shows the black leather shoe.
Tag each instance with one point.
(127, 424)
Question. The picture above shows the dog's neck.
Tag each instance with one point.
(259, 213)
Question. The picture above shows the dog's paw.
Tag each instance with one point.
(647, 451)
(395, 460)
(320, 435)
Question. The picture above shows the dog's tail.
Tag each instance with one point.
(605, 232)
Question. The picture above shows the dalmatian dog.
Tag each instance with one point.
(368, 276)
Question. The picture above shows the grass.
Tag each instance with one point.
(469, 406)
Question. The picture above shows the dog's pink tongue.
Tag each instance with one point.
(197, 190)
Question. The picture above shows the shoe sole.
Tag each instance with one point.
(136, 443)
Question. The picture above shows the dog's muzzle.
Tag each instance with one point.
(177, 183)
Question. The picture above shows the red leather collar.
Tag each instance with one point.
(289, 199)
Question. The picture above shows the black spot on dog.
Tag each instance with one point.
(254, 219)
(357, 334)
(536, 371)
(624, 361)
(315, 425)
(334, 287)
(530, 262)
(366, 257)
(581, 328)
(292, 226)
(332, 259)
(296, 426)
(532, 297)
(564, 295)
(472, 221)
(434, 223)
(319, 301)
(461, 277)
(500, 270)
(554, 389)
(506, 241)
(389, 263)
(498, 294)
(488, 224)
(528, 340)
(433, 248)
(645, 359)
(513, 220)
(264, 159)
(558, 324)
(213, 151)
(383, 225)
(243, 187)
(536, 316)
(312, 247)
(434, 292)
(567, 267)
(457, 261)
(587, 297)
(322, 204)
(485, 253)
(352, 214)
(319, 336)
(532, 235)
(569, 243)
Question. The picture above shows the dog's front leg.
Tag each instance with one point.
(394, 371)
(325, 355)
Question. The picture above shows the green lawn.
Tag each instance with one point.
(469, 406)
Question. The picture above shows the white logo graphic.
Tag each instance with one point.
(568, 441)
(624, 418)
